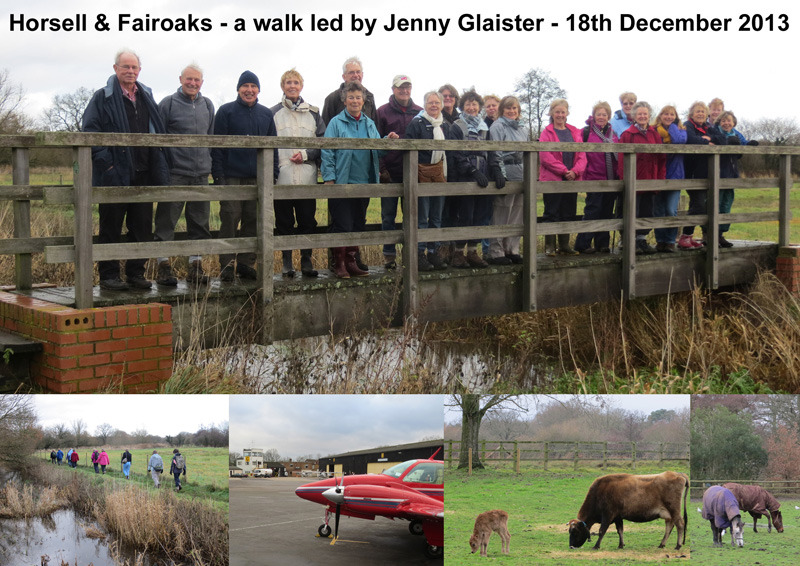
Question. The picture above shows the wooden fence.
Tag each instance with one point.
(544, 453)
(81, 250)
(785, 488)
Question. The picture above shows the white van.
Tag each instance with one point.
(262, 473)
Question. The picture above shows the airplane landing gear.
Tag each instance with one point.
(415, 527)
(434, 551)
(324, 531)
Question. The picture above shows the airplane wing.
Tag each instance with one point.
(424, 511)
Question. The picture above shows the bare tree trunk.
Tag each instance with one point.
(470, 428)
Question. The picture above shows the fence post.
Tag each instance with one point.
(711, 236)
(660, 453)
(575, 457)
(628, 223)
(483, 450)
(82, 199)
(21, 175)
(546, 454)
(450, 454)
(784, 191)
(410, 236)
(530, 172)
(605, 454)
(469, 467)
(516, 447)
(633, 454)
(264, 237)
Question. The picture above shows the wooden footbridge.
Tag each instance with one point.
(279, 309)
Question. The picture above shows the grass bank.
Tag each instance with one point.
(178, 527)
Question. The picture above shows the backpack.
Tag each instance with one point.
(179, 462)
(52, 454)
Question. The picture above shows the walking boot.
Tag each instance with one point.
(339, 268)
(351, 264)
(563, 245)
(306, 265)
(195, 274)
(288, 269)
(550, 245)
(165, 276)
(361, 265)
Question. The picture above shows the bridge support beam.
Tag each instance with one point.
(787, 268)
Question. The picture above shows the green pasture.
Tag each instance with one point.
(539, 505)
(206, 470)
(779, 549)
(746, 200)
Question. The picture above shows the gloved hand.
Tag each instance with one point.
(480, 178)
(499, 180)
(219, 180)
(752, 142)
(734, 140)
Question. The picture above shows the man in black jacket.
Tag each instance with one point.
(125, 105)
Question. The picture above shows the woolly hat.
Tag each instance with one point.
(248, 77)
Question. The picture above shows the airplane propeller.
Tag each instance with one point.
(336, 495)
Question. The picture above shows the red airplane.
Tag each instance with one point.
(413, 490)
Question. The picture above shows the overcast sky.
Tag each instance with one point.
(641, 403)
(751, 71)
(296, 425)
(158, 414)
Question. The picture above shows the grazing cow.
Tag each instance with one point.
(722, 511)
(617, 497)
(485, 523)
(757, 501)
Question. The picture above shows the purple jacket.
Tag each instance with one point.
(596, 162)
(720, 505)
(391, 117)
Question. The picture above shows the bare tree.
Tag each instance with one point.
(18, 431)
(272, 455)
(103, 432)
(12, 96)
(504, 425)
(78, 432)
(776, 131)
(66, 112)
(140, 435)
(535, 90)
(473, 409)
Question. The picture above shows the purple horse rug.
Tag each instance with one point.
(721, 505)
(753, 498)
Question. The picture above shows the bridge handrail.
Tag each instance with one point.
(82, 195)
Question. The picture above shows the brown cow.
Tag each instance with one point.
(757, 501)
(617, 497)
(495, 520)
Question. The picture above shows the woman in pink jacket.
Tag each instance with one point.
(560, 166)
(103, 460)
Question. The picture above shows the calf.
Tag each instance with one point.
(485, 523)
(722, 511)
(617, 497)
(757, 501)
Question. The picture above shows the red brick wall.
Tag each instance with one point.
(787, 268)
(113, 349)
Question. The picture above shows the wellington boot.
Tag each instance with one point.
(351, 265)
(550, 245)
(339, 268)
(563, 245)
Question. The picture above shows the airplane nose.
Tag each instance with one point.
(334, 495)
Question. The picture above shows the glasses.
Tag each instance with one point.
(448, 96)
(129, 67)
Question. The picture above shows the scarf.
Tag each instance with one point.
(610, 157)
(642, 129)
(662, 131)
(702, 128)
(299, 106)
(474, 123)
(437, 155)
(513, 124)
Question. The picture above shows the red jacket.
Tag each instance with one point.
(648, 165)
(551, 164)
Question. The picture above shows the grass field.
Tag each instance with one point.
(539, 504)
(779, 549)
(206, 470)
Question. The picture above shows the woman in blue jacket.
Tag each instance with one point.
(665, 203)
(348, 167)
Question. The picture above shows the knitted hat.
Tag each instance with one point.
(248, 77)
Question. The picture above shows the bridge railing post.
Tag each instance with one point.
(628, 223)
(21, 175)
(784, 192)
(82, 201)
(410, 236)
(265, 238)
(530, 176)
(711, 237)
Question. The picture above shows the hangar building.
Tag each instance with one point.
(375, 460)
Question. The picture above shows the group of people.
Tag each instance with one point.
(350, 111)
(100, 459)
(155, 466)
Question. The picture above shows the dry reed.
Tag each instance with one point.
(23, 502)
